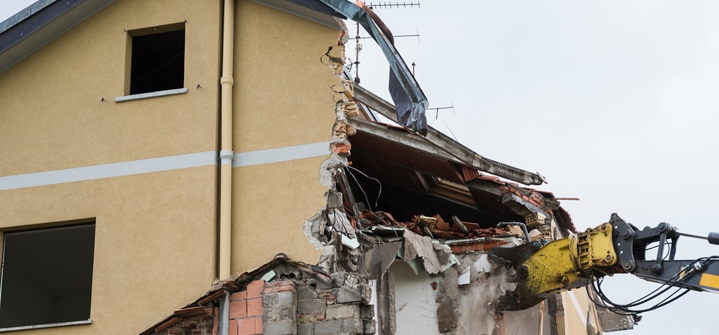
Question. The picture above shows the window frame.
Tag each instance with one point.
(41, 228)
(128, 62)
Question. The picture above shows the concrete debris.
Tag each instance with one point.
(535, 235)
(349, 242)
(464, 278)
(314, 229)
(384, 254)
(422, 247)
(611, 322)
(269, 275)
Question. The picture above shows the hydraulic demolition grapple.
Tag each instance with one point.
(540, 270)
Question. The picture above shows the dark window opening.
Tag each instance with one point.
(158, 62)
(47, 276)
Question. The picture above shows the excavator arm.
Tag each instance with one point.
(540, 270)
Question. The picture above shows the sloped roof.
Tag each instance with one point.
(45, 20)
(40, 23)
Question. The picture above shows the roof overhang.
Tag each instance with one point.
(43, 21)
(312, 10)
(40, 23)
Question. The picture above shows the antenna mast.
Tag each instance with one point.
(358, 45)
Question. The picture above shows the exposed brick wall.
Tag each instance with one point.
(246, 310)
(292, 307)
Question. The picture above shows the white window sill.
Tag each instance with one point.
(47, 325)
(151, 95)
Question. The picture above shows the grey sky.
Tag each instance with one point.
(614, 102)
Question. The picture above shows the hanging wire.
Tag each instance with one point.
(361, 189)
(368, 177)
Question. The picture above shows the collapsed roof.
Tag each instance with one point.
(429, 175)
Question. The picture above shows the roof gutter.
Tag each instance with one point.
(450, 147)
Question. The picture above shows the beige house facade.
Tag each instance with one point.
(159, 155)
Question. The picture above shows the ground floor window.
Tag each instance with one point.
(46, 275)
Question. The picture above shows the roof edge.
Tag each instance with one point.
(24, 14)
(23, 37)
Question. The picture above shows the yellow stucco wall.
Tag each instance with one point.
(281, 98)
(155, 244)
(282, 93)
(270, 205)
(154, 241)
(50, 108)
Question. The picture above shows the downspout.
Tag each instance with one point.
(223, 320)
(226, 154)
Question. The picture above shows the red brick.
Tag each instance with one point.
(258, 325)
(215, 320)
(254, 289)
(238, 296)
(238, 309)
(280, 286)
(247, 326)
(254, 307)
(343, 149)
(233, 327)
(480, 246)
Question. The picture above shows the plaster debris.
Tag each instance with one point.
(464, 278)
(338, 220)
(421, 247)
(349, 242)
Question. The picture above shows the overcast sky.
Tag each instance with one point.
(613, 102)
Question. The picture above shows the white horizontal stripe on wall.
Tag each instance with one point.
(108, 170)
(281, 154)
(162, 164)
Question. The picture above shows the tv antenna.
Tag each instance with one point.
(436, 109)
(372, 5)
(358, 45)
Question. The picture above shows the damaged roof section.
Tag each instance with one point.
(449, 147)
(398, 172)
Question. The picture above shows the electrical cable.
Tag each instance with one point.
(368, 177)
(674, 281)
(361, 189)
